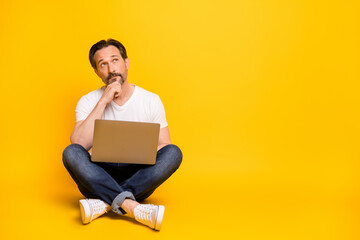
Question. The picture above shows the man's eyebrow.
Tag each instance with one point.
(110, 56)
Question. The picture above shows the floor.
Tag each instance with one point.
(199, 204)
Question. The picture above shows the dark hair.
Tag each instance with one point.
(102, 44)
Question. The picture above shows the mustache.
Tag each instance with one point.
(115, 74)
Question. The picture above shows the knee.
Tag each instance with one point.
(71, 154)
(174, 154)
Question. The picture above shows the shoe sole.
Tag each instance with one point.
(85, 211)
(159, 217)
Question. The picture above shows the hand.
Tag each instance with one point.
(112, 91)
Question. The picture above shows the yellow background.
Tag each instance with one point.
(262, 97)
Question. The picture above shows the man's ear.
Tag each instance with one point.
(127, 63)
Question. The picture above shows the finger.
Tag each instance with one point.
(113, 80)
(115, 85)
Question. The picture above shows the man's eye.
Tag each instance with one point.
(115, 60)
(102, 64)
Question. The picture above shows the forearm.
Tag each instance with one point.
(164, 138)
(83, 133)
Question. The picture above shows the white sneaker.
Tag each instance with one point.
(92, 208)
(150, 215)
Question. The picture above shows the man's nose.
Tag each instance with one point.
(111, 68)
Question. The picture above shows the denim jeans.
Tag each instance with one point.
(114, 182)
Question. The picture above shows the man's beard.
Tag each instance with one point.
(115, 75)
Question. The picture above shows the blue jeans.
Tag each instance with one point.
(114, 182)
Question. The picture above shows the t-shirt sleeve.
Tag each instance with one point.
(84, 108)
(158, 112)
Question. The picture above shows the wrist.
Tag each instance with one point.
(101, 104)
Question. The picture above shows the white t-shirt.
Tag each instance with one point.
(142, 106)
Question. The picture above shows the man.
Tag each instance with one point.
(119, 187)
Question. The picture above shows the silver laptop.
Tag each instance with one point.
(125, 142)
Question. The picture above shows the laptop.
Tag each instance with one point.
(125, 142)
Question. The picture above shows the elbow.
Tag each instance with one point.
(77, 140)
(73, 139)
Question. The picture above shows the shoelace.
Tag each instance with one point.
(98, 207)
(145, 213)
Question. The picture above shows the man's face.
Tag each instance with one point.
(110, 65)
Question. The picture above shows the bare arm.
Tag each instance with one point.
(164, 138)
(84, 130)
